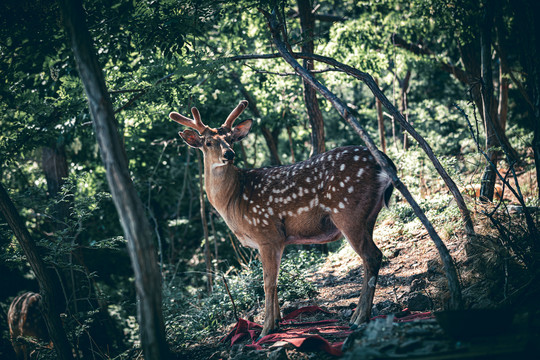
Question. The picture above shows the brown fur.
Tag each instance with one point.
(25, 320)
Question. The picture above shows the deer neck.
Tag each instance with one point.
(221, 183)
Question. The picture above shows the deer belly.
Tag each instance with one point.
(247, 241)
(322, 238)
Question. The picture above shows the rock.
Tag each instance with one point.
(278, 354)
(418, 302)
(434, 266)
(385, 307)
(418, 285)
(408, 346)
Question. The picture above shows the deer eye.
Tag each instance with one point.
(208, 143)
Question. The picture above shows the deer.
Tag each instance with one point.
(25, 320)
(334, 194)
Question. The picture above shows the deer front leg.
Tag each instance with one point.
(270, 258)
(372, 258)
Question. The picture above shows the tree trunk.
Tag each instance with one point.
(529, 43)
(456, 301)
(404, 85)
(380, 121)
(269, 136)
(55, 168)
(46, 282)
(307, 22)
(128, 205)
(489, 111)
(204, 222)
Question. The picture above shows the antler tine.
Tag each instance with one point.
(196, 124)
(235, 113)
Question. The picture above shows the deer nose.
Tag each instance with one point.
(229, 155)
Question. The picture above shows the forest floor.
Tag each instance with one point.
(411, 281)
(411, 286)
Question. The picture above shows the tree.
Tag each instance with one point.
(126, 200)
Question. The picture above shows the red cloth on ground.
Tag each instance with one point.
(309, 335)
(306, 336)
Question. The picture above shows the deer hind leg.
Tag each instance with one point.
(270, 258)
(361, 240)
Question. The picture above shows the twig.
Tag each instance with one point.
(230, 297)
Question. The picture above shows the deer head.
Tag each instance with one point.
(216, 144)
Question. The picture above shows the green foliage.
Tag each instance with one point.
(191, 314)
(162, 56)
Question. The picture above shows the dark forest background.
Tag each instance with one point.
(465, 74)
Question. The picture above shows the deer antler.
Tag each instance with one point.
(234, 114)
(196, 124)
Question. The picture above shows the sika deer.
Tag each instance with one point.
(338, 193)
(25, 320)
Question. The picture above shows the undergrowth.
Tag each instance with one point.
(191, 314)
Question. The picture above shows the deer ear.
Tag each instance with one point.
(191, 138)
(241, 130)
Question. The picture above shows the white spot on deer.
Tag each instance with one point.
(356, 157)
(341, 205)
(271, 211)
(363, 159)
(288, 199)
(265, 222)
(294, 196)
(308, 179)
(356, 150)
(306, 191)
(342, 167)
(266, 215)
(328, 195)
(270, 198)
(350, 189)
(360, 172)
(347, 178)
(289, 213)
(345, 200)
(245, 197)
(342, 184)
(335, 210)
(332, 178)
(254, 209)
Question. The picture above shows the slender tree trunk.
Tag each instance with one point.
(50, 303)
(207, 256)
(126, 200)
(456, 301)
(529, 42)
(269, 136)
(490, 117)
(404, 89)
(55, 168)
(504, 84)
(307, 22)
(380, 121)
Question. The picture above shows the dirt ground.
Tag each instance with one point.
(411, 280)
